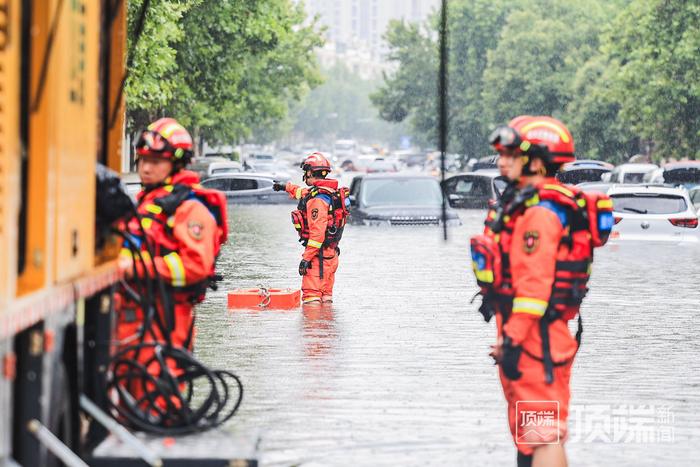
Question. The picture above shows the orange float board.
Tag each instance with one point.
(255, 298)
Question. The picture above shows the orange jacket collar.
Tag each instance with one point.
(324, 183)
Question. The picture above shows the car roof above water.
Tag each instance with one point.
(395, 175)
(650, 188)
(243, 175)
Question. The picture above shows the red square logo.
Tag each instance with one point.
(537, 422)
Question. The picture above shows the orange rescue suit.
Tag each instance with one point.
(315, 288)
(184, 245)
(533, 246)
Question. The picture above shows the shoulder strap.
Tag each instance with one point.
(171, 202)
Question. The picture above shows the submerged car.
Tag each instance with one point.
(653, 212)
(220, 168)
(486, 163)
(686, 174)
(583, 171)
(631, 173)
(398, 199)
(132, 184)
(246, 188)
(380, 165)
(473, 190)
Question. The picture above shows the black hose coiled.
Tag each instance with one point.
(179, 394)
(168, 405)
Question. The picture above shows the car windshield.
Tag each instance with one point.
(401, 191)
(651, 203)
(633, 177)
(473, 186)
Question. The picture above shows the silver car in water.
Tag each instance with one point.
(248, 188)
(653, 213)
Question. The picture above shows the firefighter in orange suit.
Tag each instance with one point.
(533, 263)
(319, 219)
(175, 239)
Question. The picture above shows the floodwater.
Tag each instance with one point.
(396, 372)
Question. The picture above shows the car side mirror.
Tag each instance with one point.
(353, 200)
(453, 197)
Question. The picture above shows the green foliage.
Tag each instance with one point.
(531, 70)
(622, 74)
(340, 108)
(405, 90)
(652, 52)
(221, 67)
(473, 28)
(153, 75)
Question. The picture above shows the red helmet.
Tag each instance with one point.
(165, 138)
(541, 136)
(316, 162)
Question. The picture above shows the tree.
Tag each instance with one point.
(532, 69)
(593, 115)
(153, 76)
(227, 66)
(652, 53)
(411, 91)
(506, 61)
(340, 108)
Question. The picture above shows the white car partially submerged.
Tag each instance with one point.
(653, 213)
(222, 168)
(631, 172)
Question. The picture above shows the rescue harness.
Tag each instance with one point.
(338, 211)
(159, 214)
(587, 220)
(169, 405)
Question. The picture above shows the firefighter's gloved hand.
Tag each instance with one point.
(510, 358)
(277, 186)
(304, 266)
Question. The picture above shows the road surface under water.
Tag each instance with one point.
(396, 372)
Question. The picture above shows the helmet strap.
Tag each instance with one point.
(527, 166)
(178, 165)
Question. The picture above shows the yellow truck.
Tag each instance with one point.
(62, 69)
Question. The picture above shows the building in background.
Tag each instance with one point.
(361, 24)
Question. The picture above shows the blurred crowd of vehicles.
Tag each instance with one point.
(402, 187)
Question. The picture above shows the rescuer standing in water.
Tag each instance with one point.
(175, 238)
(532, 264)
(319, 219)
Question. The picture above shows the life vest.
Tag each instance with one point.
(157, 214)
(338, 204)
(490, 253)
(587, 220)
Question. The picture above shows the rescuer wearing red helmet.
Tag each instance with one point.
(175, 238)
(532, 264)
(319, 220)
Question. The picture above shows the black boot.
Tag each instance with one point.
(523, 460)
